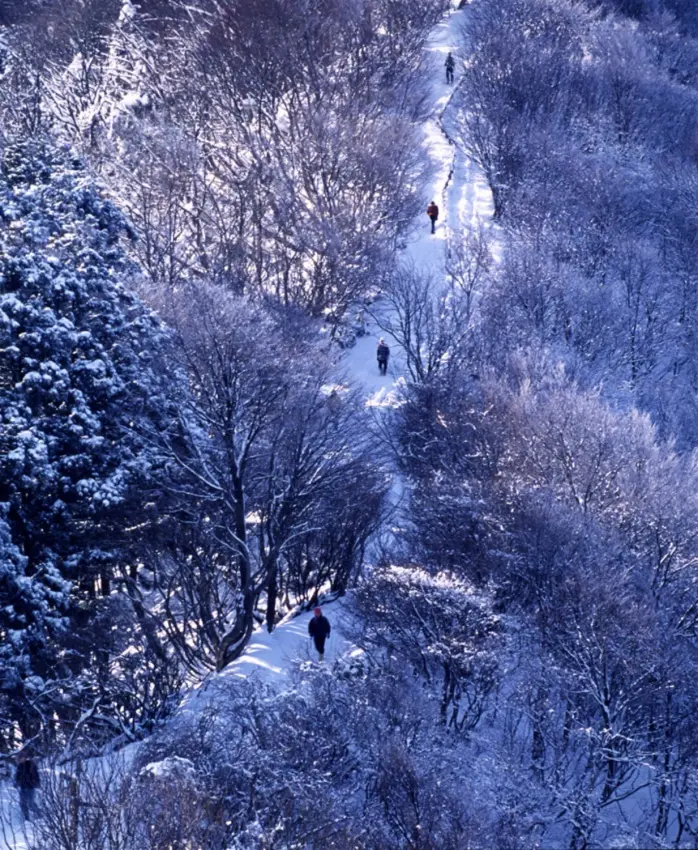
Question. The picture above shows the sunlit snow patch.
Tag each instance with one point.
(173, 767)
(388, 396)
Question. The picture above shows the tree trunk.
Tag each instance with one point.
(272, 592)
(234, 641)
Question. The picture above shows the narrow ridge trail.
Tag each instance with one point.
(459, 188)
(465, 202)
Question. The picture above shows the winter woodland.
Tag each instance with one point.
(210, 213)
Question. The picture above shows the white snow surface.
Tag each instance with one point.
(172, 767)
(270, 658)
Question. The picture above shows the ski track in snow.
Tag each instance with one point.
(465, 204)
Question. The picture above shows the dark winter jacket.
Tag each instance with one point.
(433, 211)
(450, 62)
(27, 775)
(319, 627)
(382, 352)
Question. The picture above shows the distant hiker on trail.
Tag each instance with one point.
(382, 355)
(450, 64)
(319, 630)
(433, 213)
(334, 401)
(27, 781)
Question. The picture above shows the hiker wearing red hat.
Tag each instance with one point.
(319, 630)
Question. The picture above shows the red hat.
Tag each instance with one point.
(318, 610)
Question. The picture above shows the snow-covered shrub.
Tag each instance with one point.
(335, 762)
(442, 627)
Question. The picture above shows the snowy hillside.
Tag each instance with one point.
(388, 307)
(272, 658)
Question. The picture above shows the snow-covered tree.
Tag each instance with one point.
(83, 371)
(443, 628)
(270, 469)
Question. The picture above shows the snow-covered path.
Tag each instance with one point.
(271, 658)
(458, 187)
(464, 200)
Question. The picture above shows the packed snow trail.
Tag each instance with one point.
(458, 187)
(464, 199)
(270, 658)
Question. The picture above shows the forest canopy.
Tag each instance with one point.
(208, 210)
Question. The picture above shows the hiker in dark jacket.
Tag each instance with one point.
(450, 64)
(27, 781)
(382, 355)
(433, 213)
(319, 630)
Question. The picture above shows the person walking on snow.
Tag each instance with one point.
(382, 355)
(433, 213)
(27, 781)
(450, 65)
(319, 630)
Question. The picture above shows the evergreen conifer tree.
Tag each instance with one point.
(82, 383)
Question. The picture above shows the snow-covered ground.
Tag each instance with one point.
(270, 658)
(11, 828)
